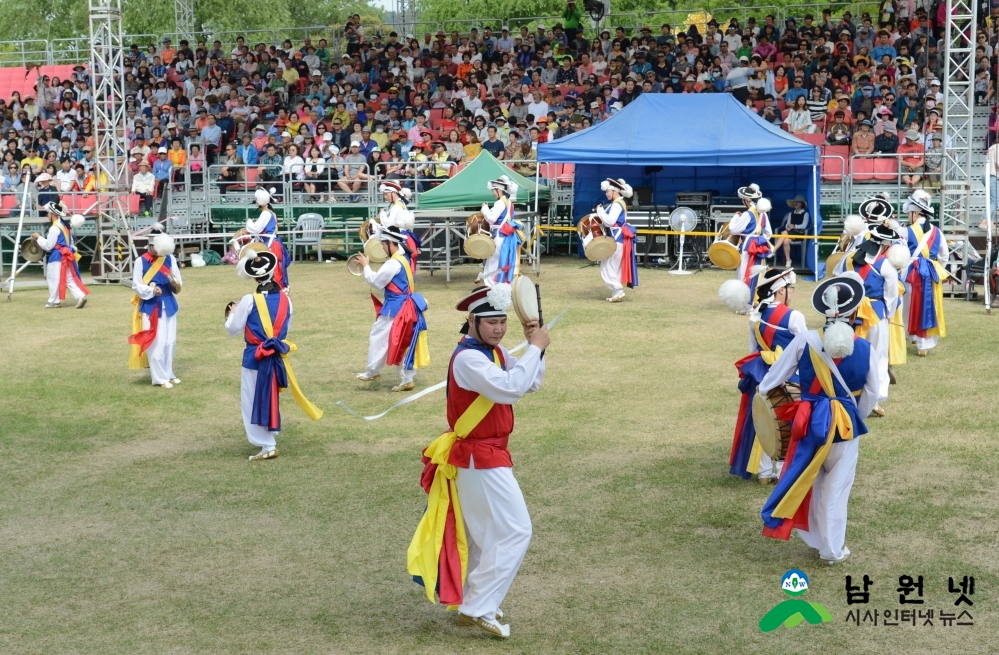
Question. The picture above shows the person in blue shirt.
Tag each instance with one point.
(798, 91)
(161, 169)
(884, 47)
(246, 151)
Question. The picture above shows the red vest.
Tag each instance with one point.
(487, 443)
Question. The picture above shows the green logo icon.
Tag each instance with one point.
(794, 610)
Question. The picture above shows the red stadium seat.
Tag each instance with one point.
(815, 139)
(886, 168)
(7, 202)
(436, 116)
(834, 169)
(566, 173)
(862, 169)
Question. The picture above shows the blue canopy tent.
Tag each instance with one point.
(692, 142)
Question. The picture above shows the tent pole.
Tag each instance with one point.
(536, 254)
(815, 219)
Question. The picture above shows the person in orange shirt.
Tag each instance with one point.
(168, 53)
(912, 159)
(465, 67)
(178, 157)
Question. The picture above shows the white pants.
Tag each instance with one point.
(767, 468)
(491, 266)
(378, 343)
(610, 271)
(879, 338)
(744, 259)
(257, 435)
(160, 352)
(52, 277)
(830, 495)
(499, 531)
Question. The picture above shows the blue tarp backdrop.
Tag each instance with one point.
(702, 142)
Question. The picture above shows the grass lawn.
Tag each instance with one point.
(131, 522)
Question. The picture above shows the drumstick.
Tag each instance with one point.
(541, 320)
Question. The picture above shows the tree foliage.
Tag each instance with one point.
(26, 19)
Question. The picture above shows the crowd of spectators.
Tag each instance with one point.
(299, 115)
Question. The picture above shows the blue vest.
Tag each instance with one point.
(853, 368)
(505, 217)
(396, 293)
(270, 230)
(166, 299)
(54, 254)
(776, 338)
(622, 218)
(874, 285)
(255, 327)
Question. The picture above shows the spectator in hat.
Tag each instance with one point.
(162, 169)
(838, 133)
(887, 141)
(933, 158)
(144, 186)
(795, 223)
(912, 159)
(862, 142)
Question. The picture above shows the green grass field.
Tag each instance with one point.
(131, 522)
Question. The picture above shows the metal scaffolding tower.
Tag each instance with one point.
(958, 173)
(112, 255)
(183, 18)
(405, 16)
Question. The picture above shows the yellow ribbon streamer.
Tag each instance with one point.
(137, 360)
(423, 555)
(897, 343)
(840, 423)
(311, 410)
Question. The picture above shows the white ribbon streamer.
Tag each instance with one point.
(439, 385)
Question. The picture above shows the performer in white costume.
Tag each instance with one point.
(264, 229)
(398, 336)
(263, 318)
(156, 280)
(839, 387)
(504, 264)
(880, 276)
(929, 254)
(621, 268)
(471, 465)
(397, 214)
(61, 269)
(753, 225)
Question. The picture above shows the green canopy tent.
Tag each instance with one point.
(468, 187)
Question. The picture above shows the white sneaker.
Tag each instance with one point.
(175, 381)
(82, 302)
(167, 385)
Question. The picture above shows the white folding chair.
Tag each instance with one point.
(308, 232)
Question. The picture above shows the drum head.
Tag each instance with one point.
(374, 251)
(31, 251)
(525, 299)
(600, 248)
(833, 261)
(480, 246)
(724, 255)
(250, 248)
(766, 426)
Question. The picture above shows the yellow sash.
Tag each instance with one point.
(942, 274)
(896, 333)
(423, 556)
(137, 360)
(421, 357)
(263, 310)
(841, 423)
(69, 239)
